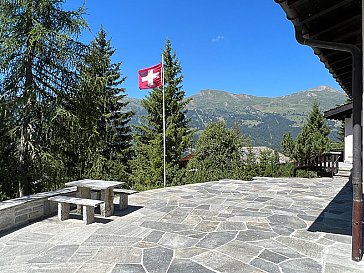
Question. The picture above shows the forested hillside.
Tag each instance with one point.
(263, 119)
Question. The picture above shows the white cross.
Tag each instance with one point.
(150, 77)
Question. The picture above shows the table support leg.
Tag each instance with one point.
(82, 192)
(107, 209)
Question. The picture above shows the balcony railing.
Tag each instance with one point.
(325, 165)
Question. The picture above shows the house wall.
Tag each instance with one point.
(348, 153)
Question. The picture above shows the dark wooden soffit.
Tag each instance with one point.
(333, 21)
(340, 112)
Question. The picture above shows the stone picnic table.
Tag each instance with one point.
(106, 188)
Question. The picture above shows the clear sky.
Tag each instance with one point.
(238, 46)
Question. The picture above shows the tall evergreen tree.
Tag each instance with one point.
(7, 152)
(148, 162)
(341, 131)
(287, 144)
(99, 106)
(313, 139)
(37, 57)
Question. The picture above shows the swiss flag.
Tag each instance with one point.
(150, 77)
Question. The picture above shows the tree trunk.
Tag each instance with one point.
(26, 126)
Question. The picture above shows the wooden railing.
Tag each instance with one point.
(326, 164)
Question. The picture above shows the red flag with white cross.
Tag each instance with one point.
(150, 77)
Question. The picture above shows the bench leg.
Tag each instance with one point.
(88, 215)
(63, 211)
(123, 201)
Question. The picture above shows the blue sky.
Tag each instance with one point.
(238, 46)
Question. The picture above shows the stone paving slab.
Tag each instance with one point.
(273, 225)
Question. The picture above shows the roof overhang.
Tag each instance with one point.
(340, 112)
(333, 21)
(333, 28)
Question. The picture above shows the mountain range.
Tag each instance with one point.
(264, 120)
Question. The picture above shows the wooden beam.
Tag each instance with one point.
(335, 26)
(325, 11)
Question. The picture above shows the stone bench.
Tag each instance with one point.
(123, 199)
(27, 209)
(88, 205)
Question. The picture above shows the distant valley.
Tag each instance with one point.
(262, 119)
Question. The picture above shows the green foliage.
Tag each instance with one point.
(8, 170)
(147, 165)
(311, 141)
(341, 132)
(288, 144)
(337, 146)
(251, 163)
(62, 111)
(217, 155)
(268, 160)
(306, 174)
(218, 147)
(268, 165)
(103, 138)
(284, 170)
(37, 64)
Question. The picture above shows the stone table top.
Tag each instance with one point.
(94, 184)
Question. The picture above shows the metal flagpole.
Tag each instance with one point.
(164, 128)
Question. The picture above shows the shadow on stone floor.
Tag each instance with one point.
(74, 215)
(102, 220)
(98, 218)
(129, 210)
(336, 218)
(13, 229)
(117, 212)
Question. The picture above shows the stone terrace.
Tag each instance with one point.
(264, 225)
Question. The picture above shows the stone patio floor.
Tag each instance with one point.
(264, 225)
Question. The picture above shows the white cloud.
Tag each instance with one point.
(217, 38)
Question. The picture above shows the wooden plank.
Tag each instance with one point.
(75, 200)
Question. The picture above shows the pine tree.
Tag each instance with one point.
(104, 134)
(313, 139)
(287, 144)
(7, 152)
(341, 131)
(37, 57)
(148, 162)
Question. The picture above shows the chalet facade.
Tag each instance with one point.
(333, 29)
(344, 113)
